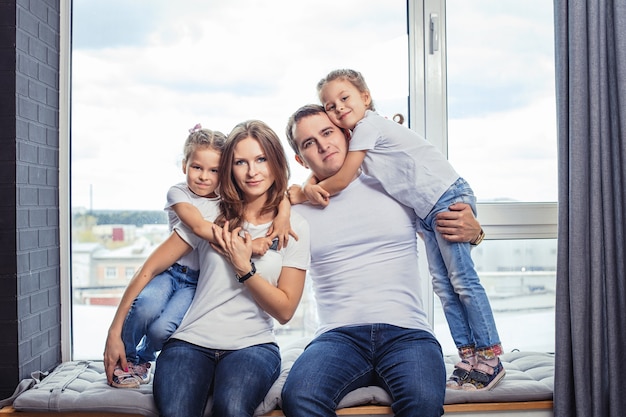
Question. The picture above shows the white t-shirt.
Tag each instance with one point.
(411, 169)
(364, 259)
(208, 207)
(223, 313)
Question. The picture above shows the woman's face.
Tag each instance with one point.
(251, 170)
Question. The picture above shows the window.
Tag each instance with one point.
(489, 102)
(144, 72)
(110, 272)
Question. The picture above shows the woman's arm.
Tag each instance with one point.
(162, 258)
(282, 301)
(278, 301)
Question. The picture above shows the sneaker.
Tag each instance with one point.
(123, 379)
(484, 376)
(460, 375)
(141, 371)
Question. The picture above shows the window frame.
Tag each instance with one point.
(65, 46)
(428, 116)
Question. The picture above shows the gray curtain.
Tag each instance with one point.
(590, 376)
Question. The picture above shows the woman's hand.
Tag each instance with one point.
(234, 247)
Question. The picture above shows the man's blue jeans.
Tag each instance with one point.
(186, 374)
(157, 312)
(407, 363)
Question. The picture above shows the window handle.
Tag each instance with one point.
(434, 33)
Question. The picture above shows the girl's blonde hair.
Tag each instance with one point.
(350, 75)
(232, 203)
(202, 138)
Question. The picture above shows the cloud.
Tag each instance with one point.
(144, 71)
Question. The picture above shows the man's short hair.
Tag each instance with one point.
(301, 113)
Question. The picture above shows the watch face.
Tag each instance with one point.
(274, 245)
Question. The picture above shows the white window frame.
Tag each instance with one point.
(428, 116)
(65, 46)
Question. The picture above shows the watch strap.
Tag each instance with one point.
(243, 278)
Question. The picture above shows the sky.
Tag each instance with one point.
(145, 71)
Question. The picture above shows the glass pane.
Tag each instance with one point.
(501, 98)
(519, 277)
(146, 71)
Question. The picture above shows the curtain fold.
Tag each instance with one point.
(590, 374)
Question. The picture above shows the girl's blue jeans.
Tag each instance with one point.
(187, 374)
(455, 280)
(407, 363)
(157, 312)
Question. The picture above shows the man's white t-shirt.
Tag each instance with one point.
(364, 266)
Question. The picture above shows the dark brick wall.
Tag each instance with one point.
(30, 317)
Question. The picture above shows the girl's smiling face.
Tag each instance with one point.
(201, 170)
(344, 103)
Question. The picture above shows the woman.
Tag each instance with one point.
(225, 345)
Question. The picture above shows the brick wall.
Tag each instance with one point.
(29, 186)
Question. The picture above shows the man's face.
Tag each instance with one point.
(322, 145)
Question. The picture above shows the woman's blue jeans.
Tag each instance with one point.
(407, 363)
(157, 312)
(240, 379)
(455, 280)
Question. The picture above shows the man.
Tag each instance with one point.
(373, 328)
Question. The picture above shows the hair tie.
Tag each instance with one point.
(194, 129)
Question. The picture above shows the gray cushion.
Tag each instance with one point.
(81, 386)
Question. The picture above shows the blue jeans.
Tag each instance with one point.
(407, 363)
(455, 281)
(240, 379)
(157, 312)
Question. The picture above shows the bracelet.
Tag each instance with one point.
(242, 279)
(479, 239)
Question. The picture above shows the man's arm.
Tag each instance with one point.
(459, 224)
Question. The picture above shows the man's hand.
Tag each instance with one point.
(458, 224)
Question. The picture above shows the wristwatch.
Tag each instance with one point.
(241, 279)
(479, 239)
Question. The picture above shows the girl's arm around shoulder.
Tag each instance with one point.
(346, 174)
(191, 217)
(281, 226)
